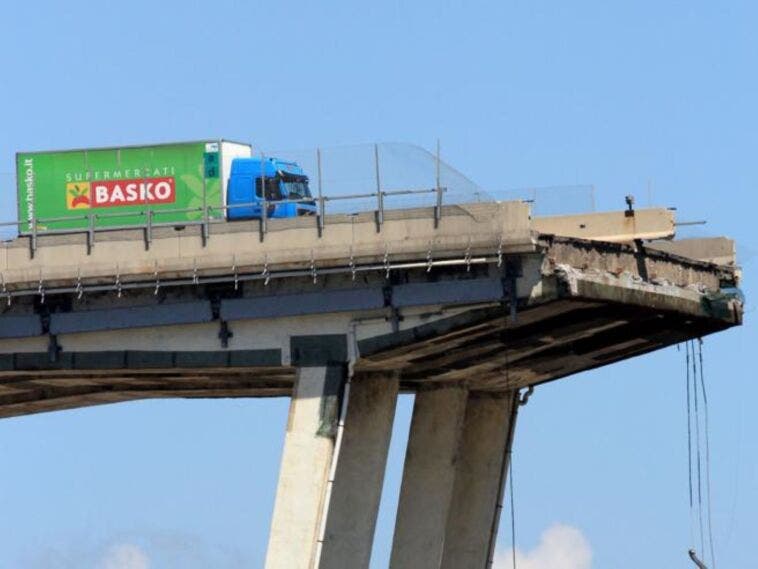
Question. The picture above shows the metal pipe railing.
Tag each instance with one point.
(264, 204)
(205, 215)
(437, 189)
(321, 202)
(379, 193)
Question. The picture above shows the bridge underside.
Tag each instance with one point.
(481, 347)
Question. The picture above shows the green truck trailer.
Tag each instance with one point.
(123, 186)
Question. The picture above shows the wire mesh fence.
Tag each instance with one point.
(392, 168)
(553, 200)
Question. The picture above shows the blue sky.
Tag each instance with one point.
(619, 95)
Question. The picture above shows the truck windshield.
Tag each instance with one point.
(296, 186)
(272, 189)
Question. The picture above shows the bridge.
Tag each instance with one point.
(465, 306)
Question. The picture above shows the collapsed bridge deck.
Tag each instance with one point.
(485, 300)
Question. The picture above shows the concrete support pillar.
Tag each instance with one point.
(359, 473)
(480, 476)
(428, 478)
(306, 461)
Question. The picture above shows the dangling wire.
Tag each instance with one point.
(690, 450)
(697, 447)
(516, 402)
(513, 513)
(689, 424)
(697, 460)
(707, 455)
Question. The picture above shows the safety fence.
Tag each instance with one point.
(343, 180)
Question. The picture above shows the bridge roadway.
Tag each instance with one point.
(465, 315)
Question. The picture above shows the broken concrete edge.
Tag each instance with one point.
(642, 276)
(649, 263)
(726, 305)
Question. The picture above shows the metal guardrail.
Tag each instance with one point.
(206, 218)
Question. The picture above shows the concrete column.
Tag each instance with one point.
(359, 473)
(428, 478)
(306, 460)
(480, 475)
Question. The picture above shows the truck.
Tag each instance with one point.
(174, 183)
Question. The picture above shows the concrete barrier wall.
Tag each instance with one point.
(405, 234)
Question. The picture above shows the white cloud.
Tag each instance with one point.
(124, 556)
(139, 550)
(560, 547)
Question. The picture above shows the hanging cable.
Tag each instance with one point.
(516, 402)
(689, 424)
(513, 513)
(698, 461)
(521, 400)
(698, 453)
(690, 450)
(707, 456)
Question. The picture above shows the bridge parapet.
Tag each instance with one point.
(289, 244)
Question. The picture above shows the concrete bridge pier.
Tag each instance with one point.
(304, 470)
(454, 470)
(331, 478)
(481, 471)
(356, 491)
(428, 478)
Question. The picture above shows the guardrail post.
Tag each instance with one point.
(205, 228)
(379, 194)
(321, 203)
(379, 210)
(149, 216)
(33, 238)
(204, 225)
(264, 204)
(90, 233)
(149, 230)
(438, 189)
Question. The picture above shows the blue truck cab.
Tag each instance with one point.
(281, 181)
